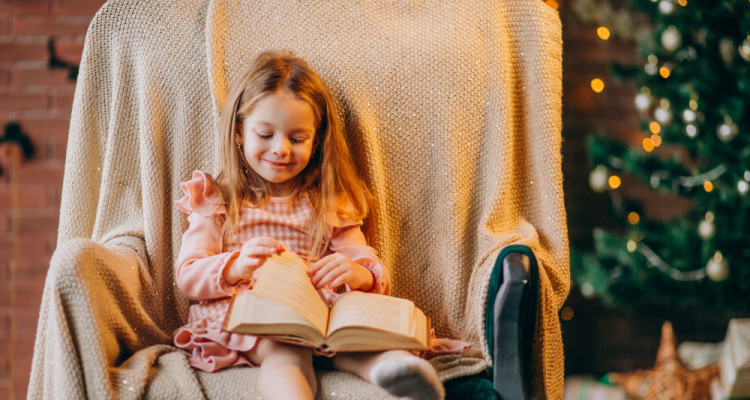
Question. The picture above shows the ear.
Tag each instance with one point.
(238, 134)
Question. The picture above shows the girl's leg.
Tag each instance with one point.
(286, 371)
(399, 372)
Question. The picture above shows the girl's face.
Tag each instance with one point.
(278, 138)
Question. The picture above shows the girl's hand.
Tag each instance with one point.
(337, 269)
(252, 255)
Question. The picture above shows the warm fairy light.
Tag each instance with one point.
(708, 186)
(614, 181)
(656, 140)
(648, 144)
(654, 127)
(603, 32)
(633, 218)
(553, 4)
(632, 246)
(682, 2)
(566, 314)
(664, 72)
(597, 85)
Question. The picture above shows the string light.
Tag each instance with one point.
(664, 72)
(648, 144)
(633, 218)
(603, 32)
(654, 127)
(614, 181)
(632, 246)
(597, 85)
(708, 186)
(656, 140)
(655, 261)
(682, 2)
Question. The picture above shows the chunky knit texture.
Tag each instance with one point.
(452, 110)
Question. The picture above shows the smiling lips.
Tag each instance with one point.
(278, 164)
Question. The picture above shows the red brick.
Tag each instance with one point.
(50, 25)
(23, 52)
(4, 24)
(46, 127)
(4, 77)
(46, 113)
(23, 101)
(5, 390)
(28, 293)
(26, 243)
(28, 7)
(76, 7)
(62, 98)
(30, 195)
(40, 77)
(26, 317)
(69, 50)
(32, 266)
(58, 151)
(46, 171)
(37, 221)
(4, 223)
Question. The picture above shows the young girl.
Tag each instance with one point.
(286, 181)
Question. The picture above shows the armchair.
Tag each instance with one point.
(453, 114)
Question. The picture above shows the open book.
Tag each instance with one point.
(284, 305)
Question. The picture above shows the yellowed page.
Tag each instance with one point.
(255, 315)
(374, 311)
(284, 280)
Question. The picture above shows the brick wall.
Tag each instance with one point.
(39, 98)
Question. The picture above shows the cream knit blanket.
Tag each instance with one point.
(452, 109)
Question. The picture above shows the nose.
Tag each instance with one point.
(281, 147)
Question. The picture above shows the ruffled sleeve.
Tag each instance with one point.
(201, 196)
(199, 270)
(347, 238)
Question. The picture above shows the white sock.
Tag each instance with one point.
(412, 377)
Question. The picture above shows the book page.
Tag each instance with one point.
(255, 315)
(284, 280)
(256, 309)
(376, 311)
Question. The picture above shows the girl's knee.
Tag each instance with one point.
(267, 348)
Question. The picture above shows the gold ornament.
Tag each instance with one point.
(744, 49)
(669, 379)
(598, 179)
(666, 7)
(743, 187)
(671, 39)
(691, 130)
(706, 228)
(728, 130)
(717, 267)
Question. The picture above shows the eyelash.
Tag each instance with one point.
(264, 135)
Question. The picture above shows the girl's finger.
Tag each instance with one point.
(322, 272)
(320, 264)
(258, 251)
(330, 277)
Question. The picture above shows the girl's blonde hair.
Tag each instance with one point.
(330, 178)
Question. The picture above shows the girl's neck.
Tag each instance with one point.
(284, 189)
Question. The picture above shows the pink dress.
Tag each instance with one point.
(204, 255)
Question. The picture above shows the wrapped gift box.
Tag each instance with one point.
(734, 365)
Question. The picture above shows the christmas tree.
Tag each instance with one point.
(692, 88)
